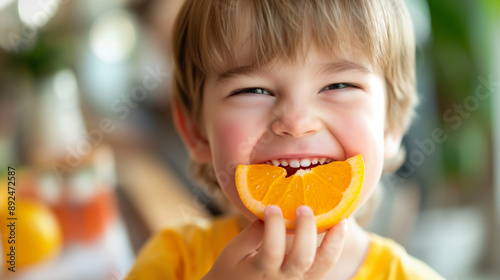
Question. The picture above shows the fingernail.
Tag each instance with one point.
(304, 210)
(273, 209)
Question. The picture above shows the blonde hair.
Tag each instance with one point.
(210, 34)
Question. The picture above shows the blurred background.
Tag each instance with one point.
(85, 129)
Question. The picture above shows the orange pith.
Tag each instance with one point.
(332, 190)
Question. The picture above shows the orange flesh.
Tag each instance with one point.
(328, 189)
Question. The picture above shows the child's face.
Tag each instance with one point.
(324, 108)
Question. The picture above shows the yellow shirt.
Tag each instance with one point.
(189, 251)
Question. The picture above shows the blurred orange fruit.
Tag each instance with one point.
(332, 190)
(37, 233)
(3, 200)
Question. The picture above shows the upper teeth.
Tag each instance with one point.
(296, 163)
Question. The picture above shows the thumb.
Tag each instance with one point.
(245, 243)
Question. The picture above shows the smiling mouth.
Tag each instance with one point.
(293, 165)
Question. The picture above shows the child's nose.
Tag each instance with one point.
(295, 120)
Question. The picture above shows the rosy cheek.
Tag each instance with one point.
(352, 133)
(237, 131)
(230, 142)
(363, 134)
(228, 135)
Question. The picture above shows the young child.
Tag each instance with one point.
(287, 80)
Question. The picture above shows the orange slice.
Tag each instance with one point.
(332, 190)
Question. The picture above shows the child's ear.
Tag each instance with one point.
(196, 143)
(392, 143)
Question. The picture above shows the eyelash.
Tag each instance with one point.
(262, 90)
(344, 85)
(252, 91)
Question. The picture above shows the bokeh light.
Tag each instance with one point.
(113, 36)
(36, 14)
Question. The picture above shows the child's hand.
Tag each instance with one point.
(244, 259)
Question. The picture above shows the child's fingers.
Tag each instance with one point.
(245, 243)
(272, 251)
(329, 251)
(301, 256)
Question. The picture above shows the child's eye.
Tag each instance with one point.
(338, 86)
(252, 91)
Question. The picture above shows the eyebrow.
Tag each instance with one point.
(345, 66)
(333, 67)
(238, 71)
